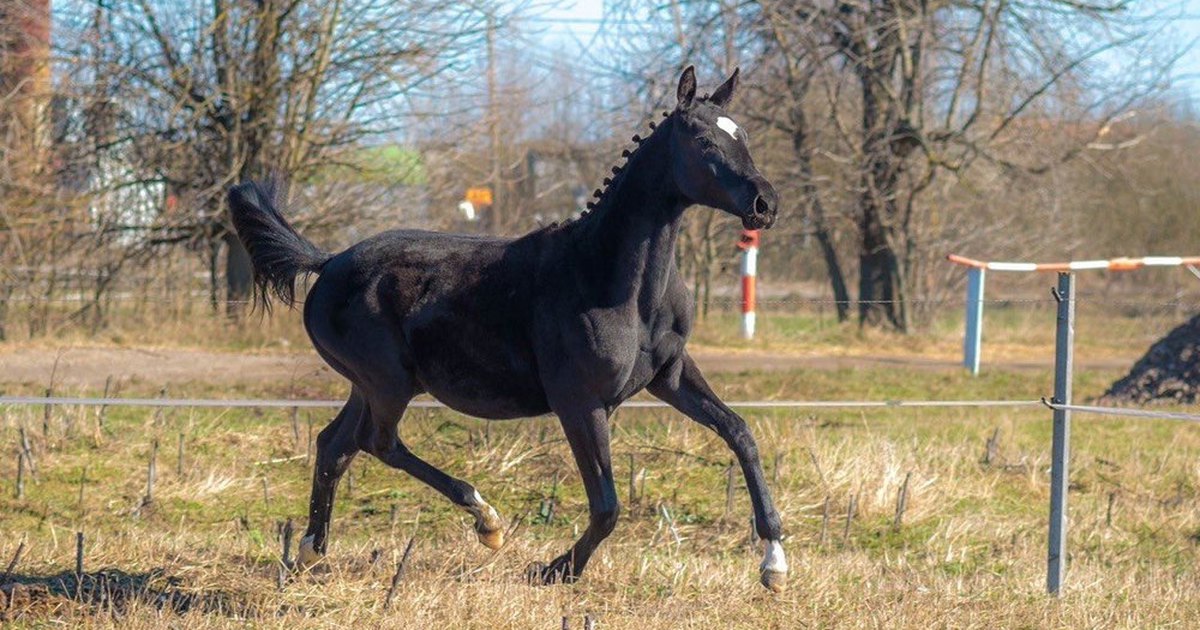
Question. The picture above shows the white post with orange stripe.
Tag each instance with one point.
(749, 246)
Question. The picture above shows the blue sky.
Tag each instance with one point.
(1188, 71)
(575, 19)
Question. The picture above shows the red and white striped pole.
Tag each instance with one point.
(749, 246)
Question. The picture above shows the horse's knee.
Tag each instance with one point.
(739, 438)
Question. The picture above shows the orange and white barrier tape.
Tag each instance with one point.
(1115, 264)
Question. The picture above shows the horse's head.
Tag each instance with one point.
(711, 164)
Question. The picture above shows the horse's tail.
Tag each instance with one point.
(277, 251)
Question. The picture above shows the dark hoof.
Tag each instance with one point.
(775, 581)
(557, 572)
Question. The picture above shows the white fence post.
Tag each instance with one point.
(973, 337)
(1060, 450)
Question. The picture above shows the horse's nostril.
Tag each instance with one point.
(761, 206)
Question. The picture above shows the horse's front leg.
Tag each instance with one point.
(587, 429)
(682, 386)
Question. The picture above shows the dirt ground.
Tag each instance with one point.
(87, 367)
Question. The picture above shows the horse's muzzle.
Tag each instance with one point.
(762, 212)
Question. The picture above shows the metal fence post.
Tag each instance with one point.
(1060, 449)
(973, 337)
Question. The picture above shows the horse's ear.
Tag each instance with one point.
(724, 94)
(687, 88)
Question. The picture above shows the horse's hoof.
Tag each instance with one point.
(533, 573)
(307, 557)
(775, 581)
(488, 525)
(773, 572)
(557, 572)
(493, 540)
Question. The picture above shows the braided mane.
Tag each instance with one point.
(600, 195)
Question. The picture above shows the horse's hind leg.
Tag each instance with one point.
(383, 441)
(336, 447)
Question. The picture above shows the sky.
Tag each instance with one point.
(1187, 73)
(573, 21)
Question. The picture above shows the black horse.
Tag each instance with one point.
(572, 319)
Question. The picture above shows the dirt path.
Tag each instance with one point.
(89, 367)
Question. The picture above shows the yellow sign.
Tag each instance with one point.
(481, 196)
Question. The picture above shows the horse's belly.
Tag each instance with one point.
(479, 373)
(497, 408)
(484, 394)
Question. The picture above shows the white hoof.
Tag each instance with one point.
(488, 524)
(774, 569)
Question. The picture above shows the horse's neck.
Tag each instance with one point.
(631, 235)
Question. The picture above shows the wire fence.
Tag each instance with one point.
(722, 300)
(1126, 412)
(293, 403)
(433, 404)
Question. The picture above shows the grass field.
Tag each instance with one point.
(970, 551)
(1017, 327)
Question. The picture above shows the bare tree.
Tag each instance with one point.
(938, 87)
(204, 94)
(876, 100)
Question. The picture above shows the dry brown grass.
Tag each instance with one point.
(1108, 327)
(970, 553)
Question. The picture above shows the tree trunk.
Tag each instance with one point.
(879, 290)
(709, 256)
(808, 186)
(837, 278)
(259, 127)
(7, 293)
(880, 280)
(214, 275)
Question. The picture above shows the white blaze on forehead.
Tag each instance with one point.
(773, 559)
(728, 126)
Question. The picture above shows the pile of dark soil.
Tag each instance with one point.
(1168, 373)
